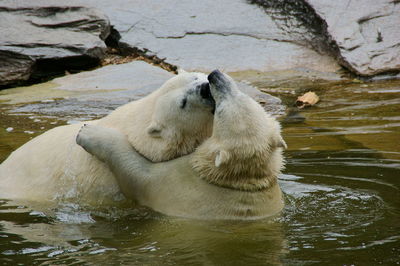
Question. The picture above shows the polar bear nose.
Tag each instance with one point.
(219, 81)
(215, 76)
(205, 91)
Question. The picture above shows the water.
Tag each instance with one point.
(341, 183)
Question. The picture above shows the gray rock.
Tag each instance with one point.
(48, 36)
(137, 76)
(203, 35)
(273, 105)
(300, 78)
(233, 35)
(366, 32)
(14, 67)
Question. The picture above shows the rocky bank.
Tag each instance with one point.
(44, 38)
(40, 38)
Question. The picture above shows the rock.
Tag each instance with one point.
(137, 76)
(235, 36)
(14, 67)
(231, 35)
(273, 105)
(296, 78)
(366, 33)
(40, 36)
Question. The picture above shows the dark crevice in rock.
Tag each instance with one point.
(41, 11)
(113, 38)
(301, 21)
(46, 68)
(35, 70)
(363, 20)
(388, 75)
(121, 52)
(356, 35)
(42, 70)
(211, 33)
(225, 34)
(146, 54)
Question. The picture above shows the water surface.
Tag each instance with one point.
(341, 183)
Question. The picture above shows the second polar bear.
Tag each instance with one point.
(232, 175)
(170, 122)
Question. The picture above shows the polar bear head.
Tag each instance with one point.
(244, 151)
(176, 118)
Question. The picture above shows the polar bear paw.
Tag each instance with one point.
(100, 141)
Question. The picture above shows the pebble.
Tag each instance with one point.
(47, 101)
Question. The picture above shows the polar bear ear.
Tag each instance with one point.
(181, 71)
(154, 130)
(221, 158)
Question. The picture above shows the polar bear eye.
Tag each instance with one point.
(183, 103)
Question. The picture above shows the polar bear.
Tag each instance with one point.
(170, 122)
(231, 175)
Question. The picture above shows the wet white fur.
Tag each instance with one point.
(232, 175)
(53, 166)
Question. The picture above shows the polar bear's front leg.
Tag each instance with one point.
(110, 146)
(101, 141)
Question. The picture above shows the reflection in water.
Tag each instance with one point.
(342, 187)
(345, 155)
(140, 238)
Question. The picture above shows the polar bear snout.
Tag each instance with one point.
(220, 85)
(217, 78)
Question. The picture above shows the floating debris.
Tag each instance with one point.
(9, 129)
(307, 99)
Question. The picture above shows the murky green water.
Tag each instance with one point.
(342, 186)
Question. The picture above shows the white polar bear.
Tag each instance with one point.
(232, 175)
(170, 122)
